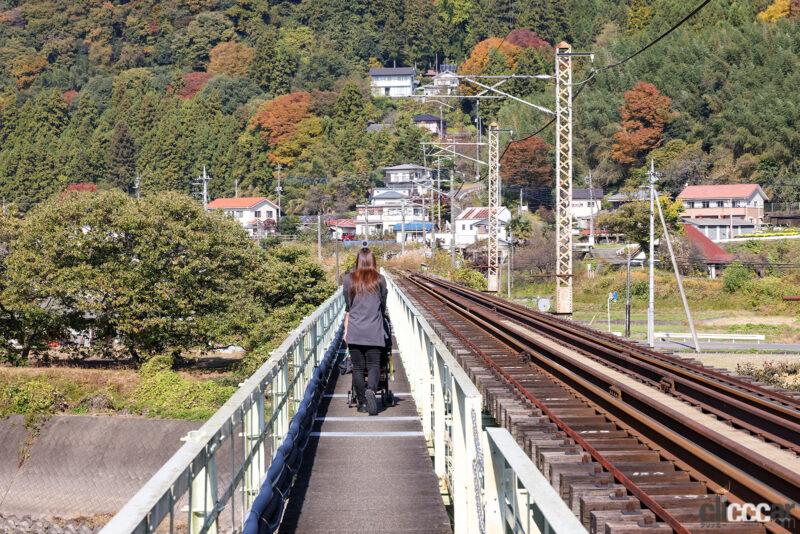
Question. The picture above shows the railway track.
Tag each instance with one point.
(634, 440)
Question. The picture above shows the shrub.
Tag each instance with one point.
(772, 373)
(35, 399)
(164, 393)
(735, 277)
(470, 278)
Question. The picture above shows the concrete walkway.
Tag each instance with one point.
(366, 474)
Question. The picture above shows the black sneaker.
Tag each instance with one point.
(361, 408)
(372, 402)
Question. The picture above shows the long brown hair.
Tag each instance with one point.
(365, 277)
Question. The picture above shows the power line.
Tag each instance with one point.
(659, 38)
(594, 71)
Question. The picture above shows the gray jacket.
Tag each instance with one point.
(368, 324)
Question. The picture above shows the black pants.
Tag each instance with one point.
(369, 358)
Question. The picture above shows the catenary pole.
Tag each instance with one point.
(563, 179)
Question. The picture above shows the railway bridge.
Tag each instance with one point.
(503, 420)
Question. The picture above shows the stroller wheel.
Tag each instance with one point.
(350, 399)
(388, 399)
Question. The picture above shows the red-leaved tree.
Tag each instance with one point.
(527, 163)
(525, 38)
(644, 115)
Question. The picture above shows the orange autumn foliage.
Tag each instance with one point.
(232, 59)
(479, 56)
(25, 68)
(277, 119)
(644, 116)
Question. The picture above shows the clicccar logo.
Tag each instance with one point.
(717, 512)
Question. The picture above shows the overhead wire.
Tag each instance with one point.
(595, 70)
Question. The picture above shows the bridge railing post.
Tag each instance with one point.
(254, 427)
(450, 408)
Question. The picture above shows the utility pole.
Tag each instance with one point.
(678, 279)
(591, 211)
(564, 179)
(510, 260)
(137, 186)
(236, 187)
(279, 190)
(433, 231)
(492, 272)
(403, 227)
(520, 201)
(338, 278)
(206, 179)
(439, 192)
(651, 260)
(452, 222)
(319, 236)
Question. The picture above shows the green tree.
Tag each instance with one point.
(349, 107)
(639, 15)
(122, 158)
(30, 167)
(632, 220)
(157, 275)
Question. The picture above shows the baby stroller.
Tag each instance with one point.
(386, 373)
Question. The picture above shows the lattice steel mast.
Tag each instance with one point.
(563, 179)
(493, 249)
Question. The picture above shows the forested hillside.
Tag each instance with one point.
(102, 92)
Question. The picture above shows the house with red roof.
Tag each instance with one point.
(724, 201)
(707, 251)
(472, 224)
(257, 215)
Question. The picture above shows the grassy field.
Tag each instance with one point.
(757, 307)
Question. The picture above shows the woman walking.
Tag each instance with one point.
(365, 327)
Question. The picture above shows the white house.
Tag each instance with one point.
(257, 215)
(388, 217)
(444, 83)
(407, 177)
(724, 201)
(718, 229)
(393, 81)
(382, 196)
(432, 123)
(343, 229)
(585, 204)
(472, 225)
